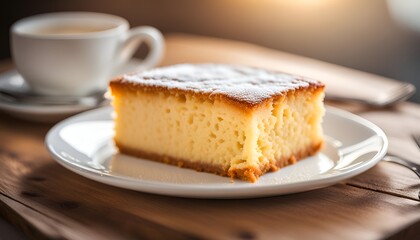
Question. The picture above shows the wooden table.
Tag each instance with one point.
(45, 200)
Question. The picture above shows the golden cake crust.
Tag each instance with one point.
(244, 87)
(248, 174)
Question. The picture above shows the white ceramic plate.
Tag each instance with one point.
(84, 145)
(45, 113)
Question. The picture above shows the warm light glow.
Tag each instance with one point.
(309, 1)
(297, 6)
(299, 2)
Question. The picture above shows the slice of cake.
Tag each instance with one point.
(230, 120)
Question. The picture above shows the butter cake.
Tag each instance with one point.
(230, 120)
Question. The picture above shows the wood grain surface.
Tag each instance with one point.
(45, 200)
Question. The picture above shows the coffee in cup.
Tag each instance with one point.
(76, 53)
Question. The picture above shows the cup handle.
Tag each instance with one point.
(152, 37)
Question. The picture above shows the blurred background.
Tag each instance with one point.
(376, 36)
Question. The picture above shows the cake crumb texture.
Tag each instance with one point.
(174, 120)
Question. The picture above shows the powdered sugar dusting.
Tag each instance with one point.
(240, 83)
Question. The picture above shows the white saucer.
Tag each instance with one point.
(84, 145)
(44, 113)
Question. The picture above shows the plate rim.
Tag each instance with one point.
(212, 191)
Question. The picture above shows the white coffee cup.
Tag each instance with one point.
(76, 53)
